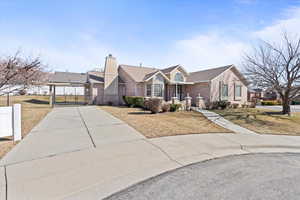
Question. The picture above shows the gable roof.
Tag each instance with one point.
(68, 77)
(206, 75)
(137, 73)
(149, 76)
(170, 69)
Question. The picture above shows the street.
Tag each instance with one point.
(252, 176)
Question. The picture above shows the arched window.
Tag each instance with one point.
(178, 77)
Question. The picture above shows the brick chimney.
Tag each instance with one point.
(111, 80)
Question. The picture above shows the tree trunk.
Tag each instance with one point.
(286, 108)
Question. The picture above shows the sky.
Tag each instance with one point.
(76, 35)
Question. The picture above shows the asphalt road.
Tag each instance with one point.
(253, 176)
(294, 108)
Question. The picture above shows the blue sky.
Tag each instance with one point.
(77, 35)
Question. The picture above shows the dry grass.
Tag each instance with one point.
(165, 124)
(263, 121)
(34, 109)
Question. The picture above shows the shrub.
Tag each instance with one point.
(223, 104)
(174, 107)
(22, 92)
(154, 105)
(295, 102)
(166, 107)
(218, 105)
(270, 103)
(133, 101)
(234, 105)
(252, 105)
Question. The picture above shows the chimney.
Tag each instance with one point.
(111, 81)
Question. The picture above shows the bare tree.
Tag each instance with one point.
(277, 67)
(17, 73)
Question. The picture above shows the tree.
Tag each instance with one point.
(276, 66)
(17, 73)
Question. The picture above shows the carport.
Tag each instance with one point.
(72, 88)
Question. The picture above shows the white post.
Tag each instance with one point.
(17, 122)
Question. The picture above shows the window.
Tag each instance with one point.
(224, 91)
(158, 90)
(238, 91)
(149, 90)
(178, 77)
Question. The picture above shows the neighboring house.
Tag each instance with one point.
(254, 94)
(108, 87)
(270, 94)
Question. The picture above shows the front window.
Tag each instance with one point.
(224, 91)
(238, 91)
(149, 90)
(158, 90)
(178, 77)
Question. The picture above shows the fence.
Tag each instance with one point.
(10, 121)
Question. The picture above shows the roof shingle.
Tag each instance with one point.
(138, 73)
(68, 77)
(206, 75)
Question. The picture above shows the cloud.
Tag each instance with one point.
(207, 50)
(290, 24)
(84, 53)
(217, 48)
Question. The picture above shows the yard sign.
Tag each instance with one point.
(10, 121)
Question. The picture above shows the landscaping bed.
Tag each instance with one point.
(34, 109)
(263, 121)
(165, 124)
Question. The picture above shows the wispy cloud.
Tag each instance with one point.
(84, 53)
(290, 23)
(218, 48)
(207, 50)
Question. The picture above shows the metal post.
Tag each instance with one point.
(51, 96)
(54, 94)
(65, 95)
(7, 99)
(75, 96)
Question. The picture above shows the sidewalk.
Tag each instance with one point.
(85, 153)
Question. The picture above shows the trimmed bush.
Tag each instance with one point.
(133, 101)
(166, 107)
(295, 103)
(223, 104)
(175, 107)
(154, 105)
(234, 105)
(218, 105)
(270, 103)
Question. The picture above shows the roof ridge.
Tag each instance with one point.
(225, 66)
(134, 66)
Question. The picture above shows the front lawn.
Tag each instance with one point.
(34, 109)
(263, 121)
(165, 124)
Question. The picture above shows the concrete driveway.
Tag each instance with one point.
(294, 108)
(85, 153)
(255, 176)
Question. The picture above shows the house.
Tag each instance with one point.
(108, 87)
(254, 94)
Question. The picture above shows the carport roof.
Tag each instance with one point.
(68, 77)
